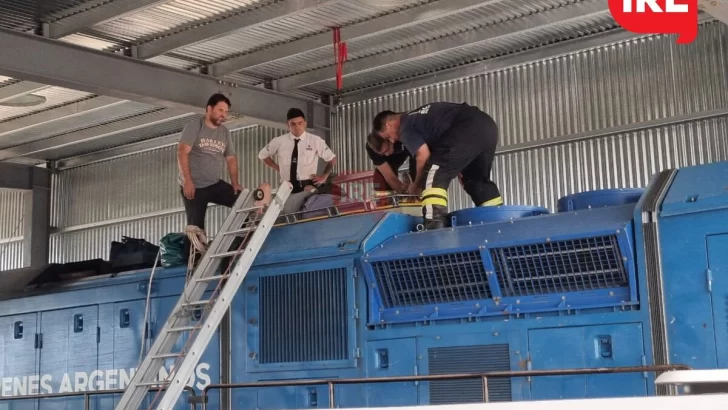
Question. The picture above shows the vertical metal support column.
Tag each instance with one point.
(36, 182)
(37, 219)
(324, 133)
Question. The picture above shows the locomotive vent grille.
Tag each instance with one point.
(303, 317)
(469, 359)
(453, 277)
(562, 266)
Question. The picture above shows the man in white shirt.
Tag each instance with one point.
(295, 155)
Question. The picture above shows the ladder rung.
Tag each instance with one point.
(184, 328)
(167, 356)
(254, 208)
(211, 278)
(150, 384)
(224, 254)
(241, 230)
(197, 303)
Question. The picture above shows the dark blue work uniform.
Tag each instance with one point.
(462, 140)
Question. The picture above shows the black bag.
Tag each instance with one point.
(132, 254)
(70, 271)
(175, 249)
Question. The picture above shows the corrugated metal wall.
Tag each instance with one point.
(137, 196)
(11, 229)
(629, 83)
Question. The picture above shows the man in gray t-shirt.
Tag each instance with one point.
(204, 146)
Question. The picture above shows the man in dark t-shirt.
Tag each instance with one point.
(388, 163)
(456, 140)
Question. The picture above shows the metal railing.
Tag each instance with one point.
(458, 376)
(87, 396)
(484, 377)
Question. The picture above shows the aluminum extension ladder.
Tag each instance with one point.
(244, 212)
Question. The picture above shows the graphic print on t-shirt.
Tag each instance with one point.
(211, 146)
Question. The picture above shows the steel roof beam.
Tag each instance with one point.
(63, 112)
(19, 89)
(202, 32)
(108, 130)
(16, 176)
(103, 73)
(133, 148)
(107, 10)
(391, 22)
(430, 48)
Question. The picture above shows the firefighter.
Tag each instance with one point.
(454, 140)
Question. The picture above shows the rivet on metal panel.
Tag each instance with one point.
(252, 289)
(548, 239)
(437, 337)
(495, 333)
(252, 355)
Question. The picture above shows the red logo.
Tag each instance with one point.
(658, 17)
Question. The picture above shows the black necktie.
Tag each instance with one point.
(294, 168)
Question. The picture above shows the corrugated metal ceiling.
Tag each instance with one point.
(165, 18)
(109, 113)
(24, 15)
(458, 23)
(468, 54)
(55, 96)
(334, 13)
(171, 16)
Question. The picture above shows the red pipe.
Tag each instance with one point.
(340, 55)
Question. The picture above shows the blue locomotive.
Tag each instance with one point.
(613, 278)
